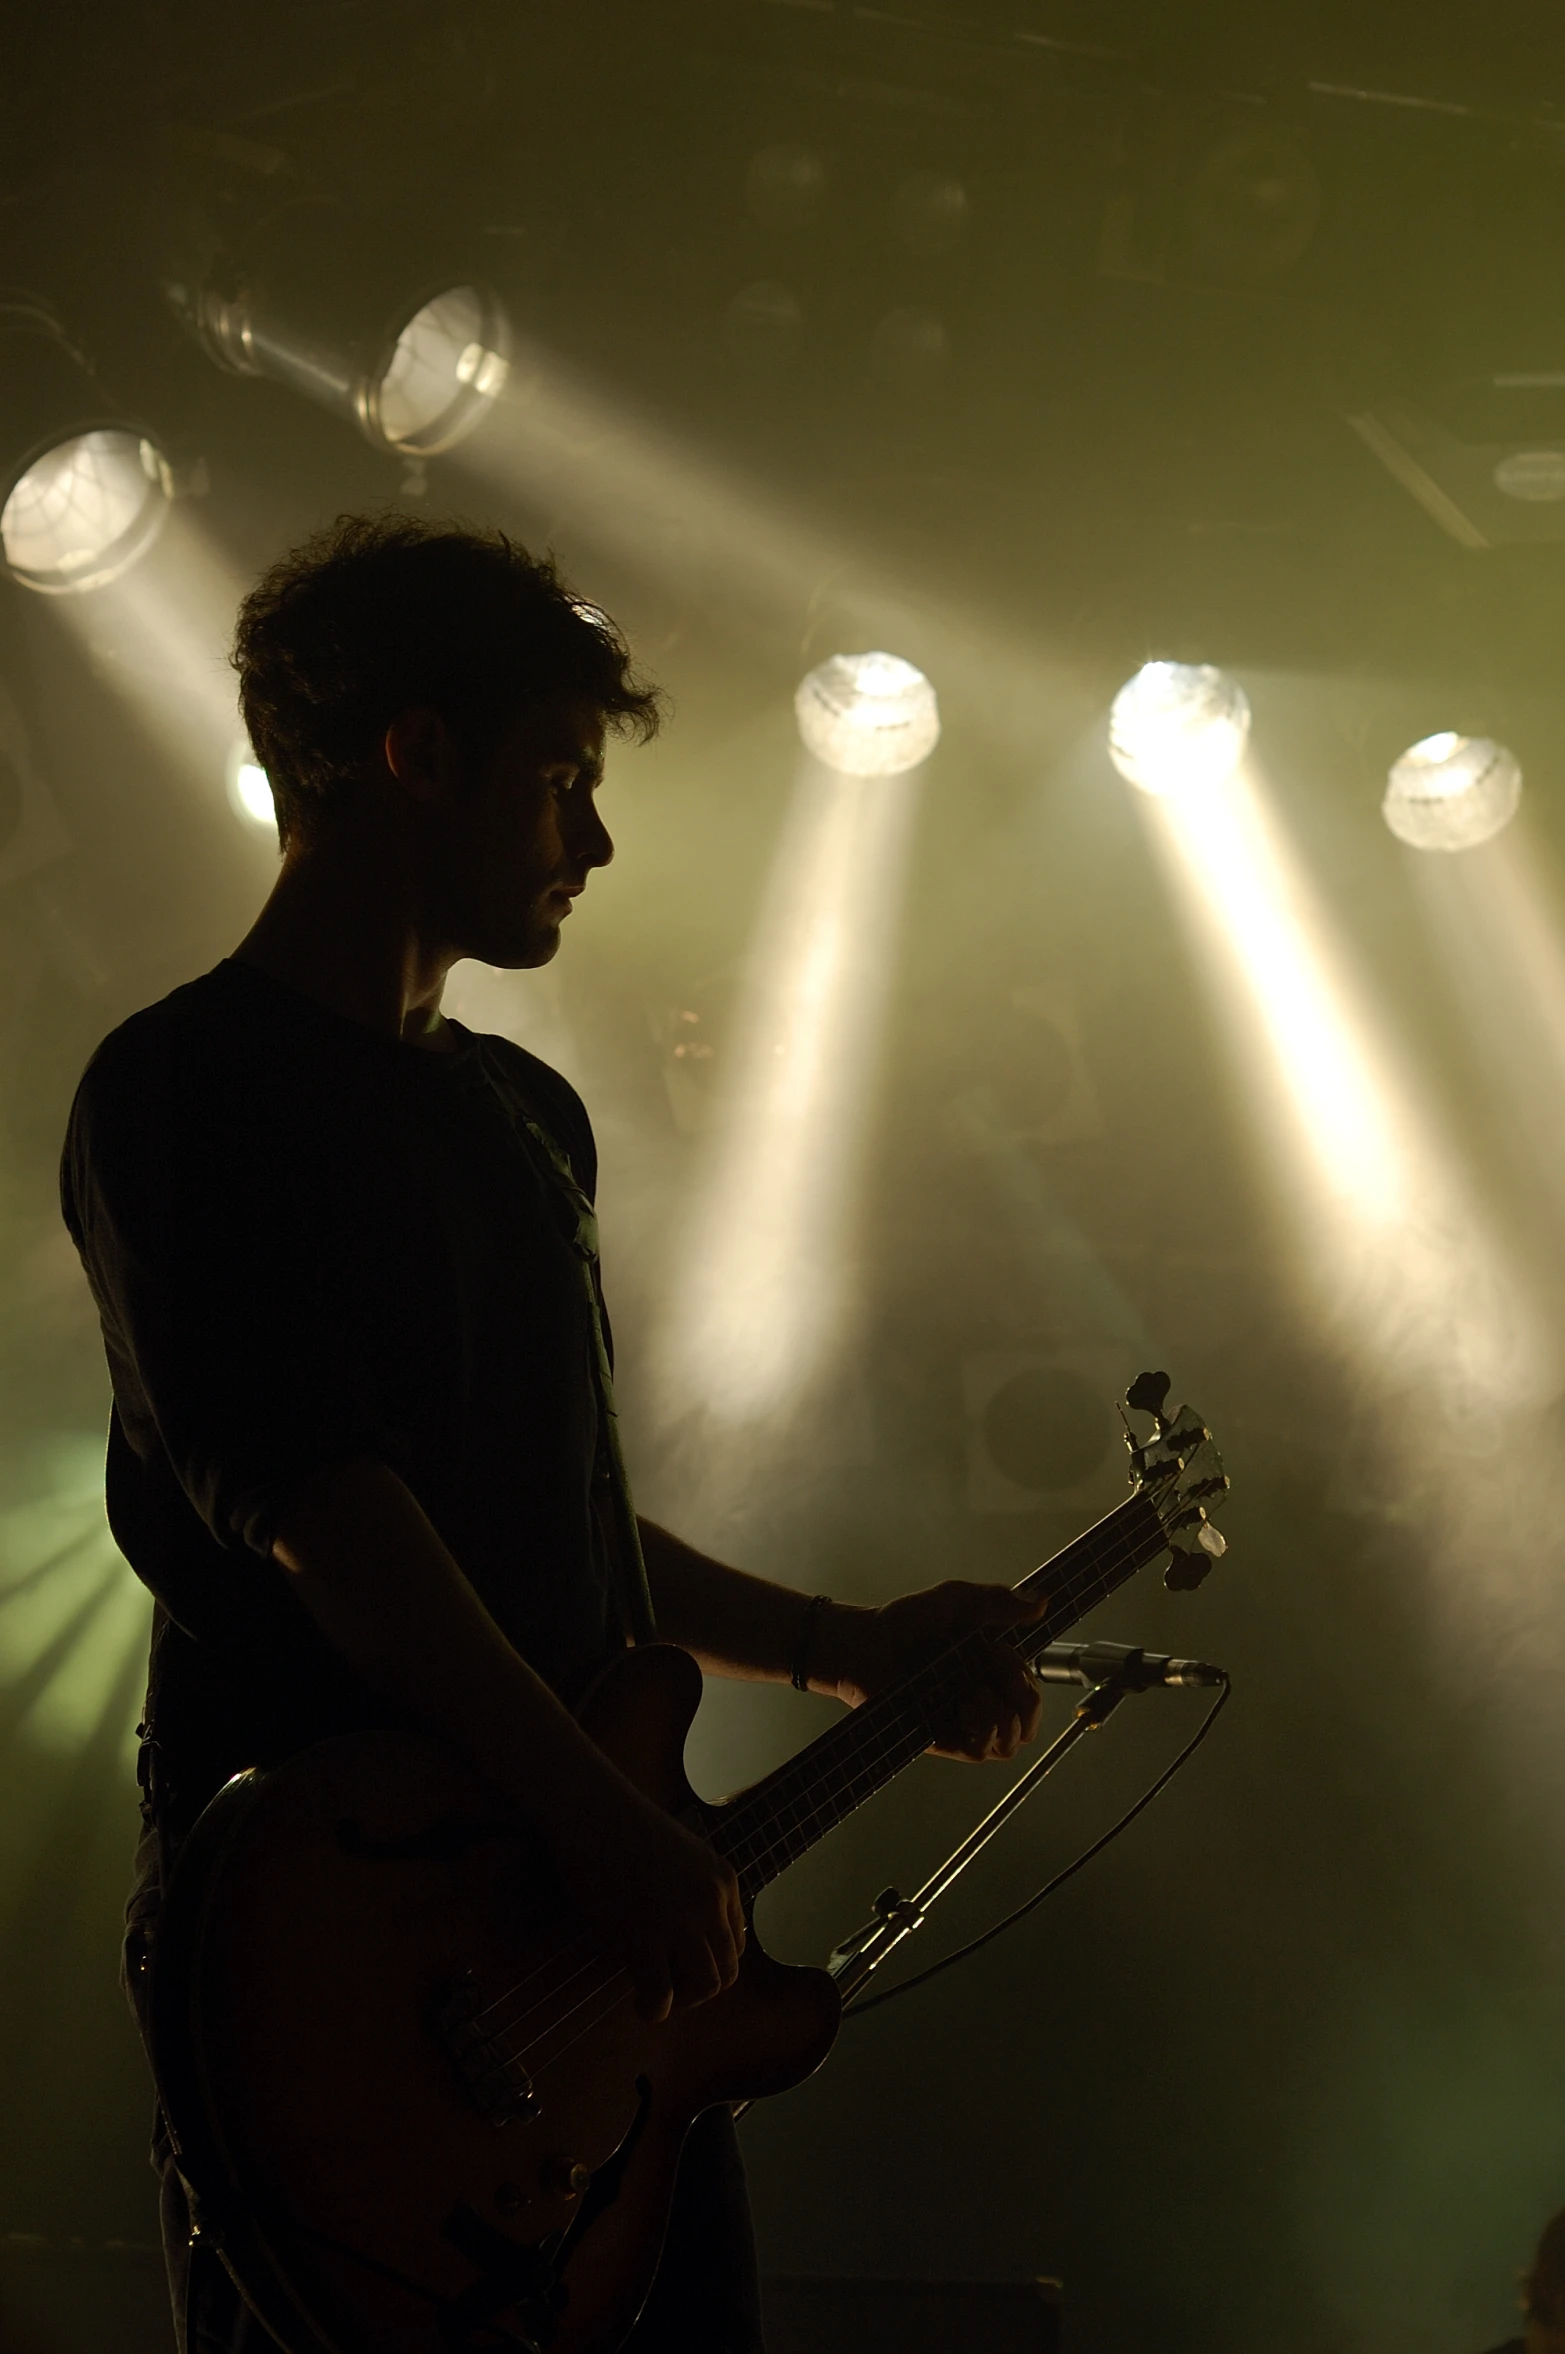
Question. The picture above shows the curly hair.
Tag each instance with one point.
(378, 614)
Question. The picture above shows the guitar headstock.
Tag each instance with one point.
(1181, 1474)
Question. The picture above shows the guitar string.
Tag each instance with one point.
(909, 1722)
(578, 1941)
(524, 2056)
(509, 2024)
(561, 1985)
(614, 1972)
(809, 1821)
(506, 2027)
(905, 1723)
(590, 2027)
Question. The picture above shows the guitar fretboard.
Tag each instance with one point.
(782, 1817)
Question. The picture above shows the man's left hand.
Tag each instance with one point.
(860, 1653)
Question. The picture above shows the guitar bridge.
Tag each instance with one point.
(494, 2079)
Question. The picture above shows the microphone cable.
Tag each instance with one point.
(873, 2002)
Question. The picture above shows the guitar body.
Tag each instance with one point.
(416, 2103)
(413, 2100)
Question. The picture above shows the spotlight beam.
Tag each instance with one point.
(72, 1616)
(760, 1293)
(1497, 918)
(1397, 1252)
(161, 641)
(644, 498)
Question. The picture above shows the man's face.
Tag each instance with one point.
(519, 836)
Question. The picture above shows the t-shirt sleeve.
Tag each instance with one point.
(562, 1111)
(227, 1345)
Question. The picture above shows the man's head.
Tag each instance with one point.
(439, 677)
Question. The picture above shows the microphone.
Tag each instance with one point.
(1124, 1663)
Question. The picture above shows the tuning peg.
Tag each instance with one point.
(1185, 1570)
(1148, 1394)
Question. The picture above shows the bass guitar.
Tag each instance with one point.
(414, 2102)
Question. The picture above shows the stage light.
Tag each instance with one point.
(250, 788)
(1176, 725)
(868, 714)
(445, 370)
(313, 300)
(83, 492)
(1451, 792)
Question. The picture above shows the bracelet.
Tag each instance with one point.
(799, 1666)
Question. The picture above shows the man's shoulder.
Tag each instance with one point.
(162, 1039)
(212, 1037)
(147, 1083)
(551, 1098)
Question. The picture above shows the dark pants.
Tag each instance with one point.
(706, 2298)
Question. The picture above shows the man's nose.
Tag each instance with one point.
(594, 845)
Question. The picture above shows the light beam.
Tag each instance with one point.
(761, 1291)
(1396, 1249)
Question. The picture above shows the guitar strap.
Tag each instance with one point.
(611, 1486)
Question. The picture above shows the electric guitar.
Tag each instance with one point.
(415, 2103)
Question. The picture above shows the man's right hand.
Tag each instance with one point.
(664, 1900)
(380, 1584)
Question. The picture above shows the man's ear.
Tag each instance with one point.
(420, 753)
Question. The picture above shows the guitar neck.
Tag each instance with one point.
(782, 1817)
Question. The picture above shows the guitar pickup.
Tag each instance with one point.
(494, 2079)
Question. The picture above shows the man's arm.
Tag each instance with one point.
(376, 1578)
(739, 1625)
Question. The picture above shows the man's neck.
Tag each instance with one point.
(341, 931)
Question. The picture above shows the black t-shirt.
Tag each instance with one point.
(307, 1243)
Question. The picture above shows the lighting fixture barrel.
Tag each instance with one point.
(249, 787)
(84, 489)
(1178, 724)
(315, 301)
(867, 714)
(1451, 792)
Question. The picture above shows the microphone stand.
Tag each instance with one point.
(855, 1961)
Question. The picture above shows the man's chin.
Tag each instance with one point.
(539, 945)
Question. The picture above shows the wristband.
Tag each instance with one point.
(799, 1666)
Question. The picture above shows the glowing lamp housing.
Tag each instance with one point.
(867, 714)
(315, 301)
(84, 489)
(250, 788)
(1451, 792)
(1178, 725)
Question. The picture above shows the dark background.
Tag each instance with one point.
(1284, 2068)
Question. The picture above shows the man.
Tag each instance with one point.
(363, 1447)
